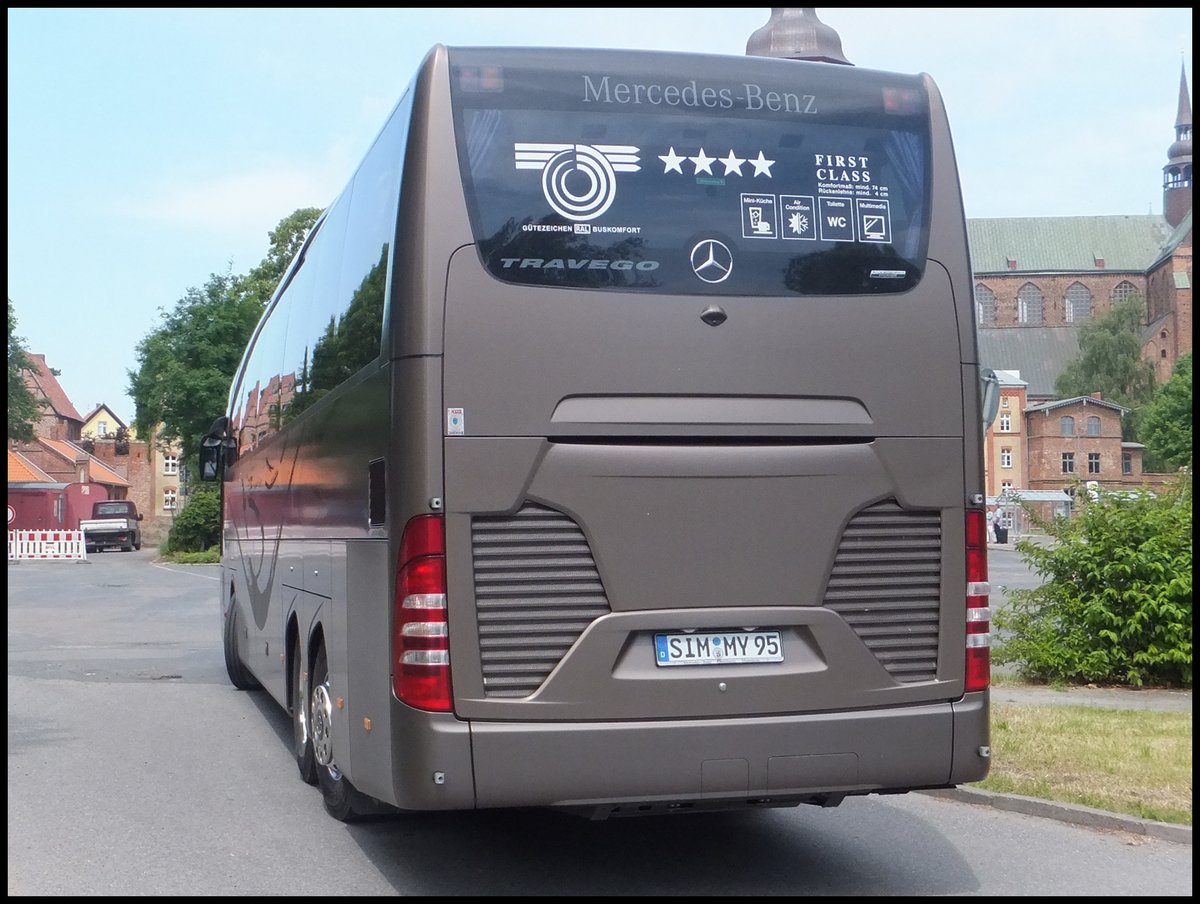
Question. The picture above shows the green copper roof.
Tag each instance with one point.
(1066, 244)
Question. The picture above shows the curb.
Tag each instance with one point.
(1070, 813)
(78, 561)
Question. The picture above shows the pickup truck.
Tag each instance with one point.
(113, 525)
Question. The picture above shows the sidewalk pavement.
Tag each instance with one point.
(1156, 699)
(1011, 544)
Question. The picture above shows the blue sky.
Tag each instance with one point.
(148, 149)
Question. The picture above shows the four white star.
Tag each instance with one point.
(702, 163)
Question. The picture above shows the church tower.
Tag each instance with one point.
(1177, 174)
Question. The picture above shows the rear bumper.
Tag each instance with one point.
(109, 541)
(585, 765)
(434, 761)
(756, 760)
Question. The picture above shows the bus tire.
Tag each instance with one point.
(239, 676)
(342, 800)
(303, 747)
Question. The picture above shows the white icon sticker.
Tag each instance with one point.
(455, 422)
(874, 219)
(759, 219)
(799, 217)
(837, 219)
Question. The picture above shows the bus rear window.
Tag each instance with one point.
(767, 177)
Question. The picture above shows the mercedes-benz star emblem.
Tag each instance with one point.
(712, 261)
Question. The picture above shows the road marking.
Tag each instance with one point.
(192, 573)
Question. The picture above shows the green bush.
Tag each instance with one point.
(1116, 605)
(197, 527)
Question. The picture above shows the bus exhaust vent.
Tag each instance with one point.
(536, 590)
(886, 583)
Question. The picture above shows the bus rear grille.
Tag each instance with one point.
(536, 589)
(886, 583)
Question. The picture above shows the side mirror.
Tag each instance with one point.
(212, 447)
(989, 395)
(210, 459)
(140, 516)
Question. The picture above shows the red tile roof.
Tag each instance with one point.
(22, 470)
(100, 472)
(45, 383)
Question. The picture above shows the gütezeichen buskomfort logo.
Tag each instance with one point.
(579, 180)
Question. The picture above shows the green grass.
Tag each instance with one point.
(1122, 761)
(207, 557)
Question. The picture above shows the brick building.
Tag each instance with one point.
(132, 460)
(1039, 273)
(67, 462)
(59, 418)
(1080, 440)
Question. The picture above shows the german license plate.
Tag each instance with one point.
(717, 647)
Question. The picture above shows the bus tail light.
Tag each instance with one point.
(420, 638)
(979, 616)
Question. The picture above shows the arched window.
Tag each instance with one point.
(1125, 290)
(1093, 426)
(1079, 303)
(1122, 290)
(1066, 425)
(985, 305)
(1030, 305)
(1177, 177)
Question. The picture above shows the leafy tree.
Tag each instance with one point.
(186, 364)
(1116, 606)
(285, 242)
(1110, 362)
(1167, 427)
(24, 408)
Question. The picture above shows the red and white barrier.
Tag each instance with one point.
(46, 544)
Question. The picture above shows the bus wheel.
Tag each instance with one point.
(238, 674)
(342, 800)
(300, 721)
